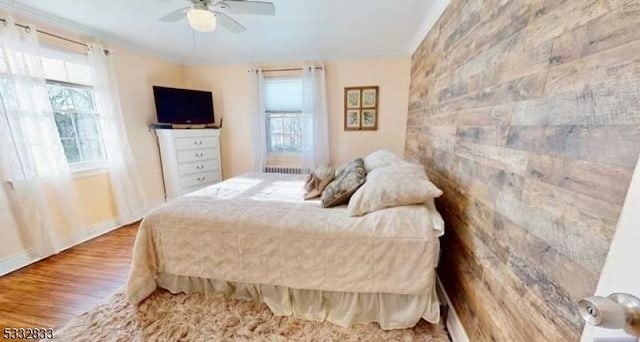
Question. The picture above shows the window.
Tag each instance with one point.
(285, 120)
(73, 101)
(77, 121)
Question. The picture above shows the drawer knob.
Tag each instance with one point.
(199, 142)
(199, 167)
(200, 179)
(199, 155)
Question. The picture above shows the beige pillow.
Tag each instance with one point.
(381, 158)
(392, 186)
(317, 181)
(349, 178)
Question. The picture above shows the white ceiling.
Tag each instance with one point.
(301, 29)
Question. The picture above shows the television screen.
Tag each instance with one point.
(183, 106)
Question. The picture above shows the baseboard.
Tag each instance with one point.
(25, 258)
(14, 262)
(454, 326)
(94, 231)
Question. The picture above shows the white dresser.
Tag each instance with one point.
(190, 159)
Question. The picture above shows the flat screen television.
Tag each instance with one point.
(183, 106)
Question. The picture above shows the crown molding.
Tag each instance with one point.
(433, 14)
(47, 19)
(276, 60)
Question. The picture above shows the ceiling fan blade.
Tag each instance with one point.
(229, 23)
(175, 15)
(250, 7)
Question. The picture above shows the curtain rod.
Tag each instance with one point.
(26, 27)
(287, 69)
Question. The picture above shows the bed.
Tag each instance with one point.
(254, 237)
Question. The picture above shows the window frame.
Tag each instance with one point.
(295, 114)
(82, 167)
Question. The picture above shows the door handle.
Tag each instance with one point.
(616, 311)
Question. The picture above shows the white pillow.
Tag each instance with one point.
(380, 158)
(392, 186)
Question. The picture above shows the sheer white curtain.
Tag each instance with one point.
(259, 141)
(33, 168)
(314, 102)
(129, 195)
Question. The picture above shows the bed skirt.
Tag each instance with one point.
(390, 311)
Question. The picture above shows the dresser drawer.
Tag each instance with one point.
(197, 167)
(197, 179)
(188, 156)
(196, 143)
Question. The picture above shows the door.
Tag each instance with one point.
(621, 272)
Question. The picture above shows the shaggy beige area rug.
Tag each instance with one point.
(167, 317)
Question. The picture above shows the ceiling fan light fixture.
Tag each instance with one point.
(201, 20)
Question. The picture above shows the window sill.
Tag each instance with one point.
(82, 171)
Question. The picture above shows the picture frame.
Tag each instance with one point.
(369, 97)
(352, 98)
(369, 119)
(361, 108)
(352, 119)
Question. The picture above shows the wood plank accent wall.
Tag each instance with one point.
(527, 114)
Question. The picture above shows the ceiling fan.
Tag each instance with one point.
(204, 15)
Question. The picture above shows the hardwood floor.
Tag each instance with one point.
(50, 292)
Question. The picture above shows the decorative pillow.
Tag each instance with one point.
(380, 158)
(347, 181)
(317, 181)
(342, 168)
(392, 186)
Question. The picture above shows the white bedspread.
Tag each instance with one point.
(257, 229)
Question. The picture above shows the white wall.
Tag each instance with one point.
(231, 86)
(136, 75)
(392, 75)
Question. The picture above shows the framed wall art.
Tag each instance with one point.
(352, 119)
(361, 108)
(352, 98)
(369, 120)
